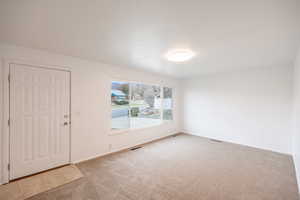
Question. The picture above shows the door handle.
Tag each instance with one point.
(66, 124)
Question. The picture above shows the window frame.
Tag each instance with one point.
(130, 129)
(172, 106)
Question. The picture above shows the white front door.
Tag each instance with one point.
(39, 119)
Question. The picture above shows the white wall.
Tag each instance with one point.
(91, 102)
(250, 107)
(296, 118)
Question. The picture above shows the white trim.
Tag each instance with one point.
(297, 178)
(124, 148)
(119, 79)
(160, 83)
(34, 64)
(161, 103)
(5, 136)
(233, 142)
(127, 130)
(2, 124)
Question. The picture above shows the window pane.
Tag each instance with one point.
(167, 104)
(144, 105)
(120, 105)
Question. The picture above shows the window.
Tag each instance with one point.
(145, 105)
(138, 105)
(167, 104)
(120, 105)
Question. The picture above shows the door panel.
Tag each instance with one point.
(39, 106)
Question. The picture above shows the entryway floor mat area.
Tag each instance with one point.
(29, 186)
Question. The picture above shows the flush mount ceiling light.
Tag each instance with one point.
(180, 55)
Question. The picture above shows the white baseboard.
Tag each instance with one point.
(234, 142)
(297, 173)
(125, 147)
(117, 150)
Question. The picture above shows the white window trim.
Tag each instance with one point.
(127, 130)
(172, 108)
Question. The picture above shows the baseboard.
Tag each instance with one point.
(126, 148)
(296, 172)
(233, 142)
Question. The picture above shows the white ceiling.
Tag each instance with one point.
(226, 35)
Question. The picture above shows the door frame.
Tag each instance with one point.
(5, 174)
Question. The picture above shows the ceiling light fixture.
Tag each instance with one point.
(180, 55)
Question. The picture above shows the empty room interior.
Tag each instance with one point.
(149, 100)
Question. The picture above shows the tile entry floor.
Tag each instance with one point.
(183, 168)
(32, 185)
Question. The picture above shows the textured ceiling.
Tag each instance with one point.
(225, 35)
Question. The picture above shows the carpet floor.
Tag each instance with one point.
(184, 167)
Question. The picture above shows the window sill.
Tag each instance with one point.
(124, 131)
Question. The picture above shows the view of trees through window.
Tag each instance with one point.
(167, 104)
(137, 105)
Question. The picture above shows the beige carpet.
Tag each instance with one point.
(33, 185)
(184, 168)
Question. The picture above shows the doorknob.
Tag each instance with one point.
(66, 124)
